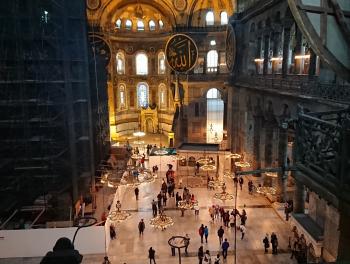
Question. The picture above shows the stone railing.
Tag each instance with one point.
(298, 85)
(201, 29)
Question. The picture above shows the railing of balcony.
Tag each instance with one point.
(298, 85)
(320, 142)
(201, 29)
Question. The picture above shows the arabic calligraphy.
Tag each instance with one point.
(181, 53)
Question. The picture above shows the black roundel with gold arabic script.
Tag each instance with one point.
(181, 53)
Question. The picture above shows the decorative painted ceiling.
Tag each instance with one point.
(173, 13)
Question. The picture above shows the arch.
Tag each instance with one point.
(212, 61)
(215, 116)
(142, 95)
(268, 23)
(161, 24)
(252, 28)
(161, 63)
(277, 18)
(120, 62)
(141, 63)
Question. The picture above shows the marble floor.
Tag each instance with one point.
(262, 218)
(131, 249)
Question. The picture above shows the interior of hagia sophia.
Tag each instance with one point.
(236, 106)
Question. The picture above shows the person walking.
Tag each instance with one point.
(217, 259)
(206, 234)
(151, 255)
(201, 232)
(274, 243)
(164, 199)
(225, 247)
(243, 230)
(266, 243)
(154, 208)
(241, 182)
(221, 234)
(200, 254)
(137, 193)
(141, 227)
(187, 243)
(207, 257)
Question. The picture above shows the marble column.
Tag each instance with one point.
(298, 45)
(299, 197)
(286, 40)
(282, 160)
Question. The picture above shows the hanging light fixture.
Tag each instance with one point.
(233, 156)
(161, 152)
(242, 164)
(161, 221)
(208, 167)
(139, 134)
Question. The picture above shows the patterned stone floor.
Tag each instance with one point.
(131, 249)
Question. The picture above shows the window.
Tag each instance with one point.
(141, 64)
(212, 61)
(45, 17)
(209, 18)
(128, 24)
(122, 101)
(152, 25)
(162, 96)
(120, 63)
(161, 63)
(212, 42)
(161, 24)
(224, 18)
(140, 25)
(215, 116)
(118, 23)
(142, 95)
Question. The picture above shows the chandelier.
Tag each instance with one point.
(136, 156)
(179, 157)
(118, 216)
(187, 205)
(161, 152)
(266, 190)
(139, 134)
(161, 221)
(233, 156)
(208, 167)
(242, 164)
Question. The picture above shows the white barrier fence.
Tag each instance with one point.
(37, 242)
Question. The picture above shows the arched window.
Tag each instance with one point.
(141, 64)
(163, 99)
(215, 116)
(118, 23)
(161, 63)
(224, 18)
(209, 18)
(212, 61)
(120, 63)
(128, 24)
(152, 25)
(140, 25)
(161, 24)
(122, 97)
(142, 95)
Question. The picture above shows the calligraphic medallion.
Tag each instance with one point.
(180, 5)
(93, 4)
(230, 47)
(181, 53)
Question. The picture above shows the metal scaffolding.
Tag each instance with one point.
(50, 119)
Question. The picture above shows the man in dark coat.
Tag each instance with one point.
(151, 255)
